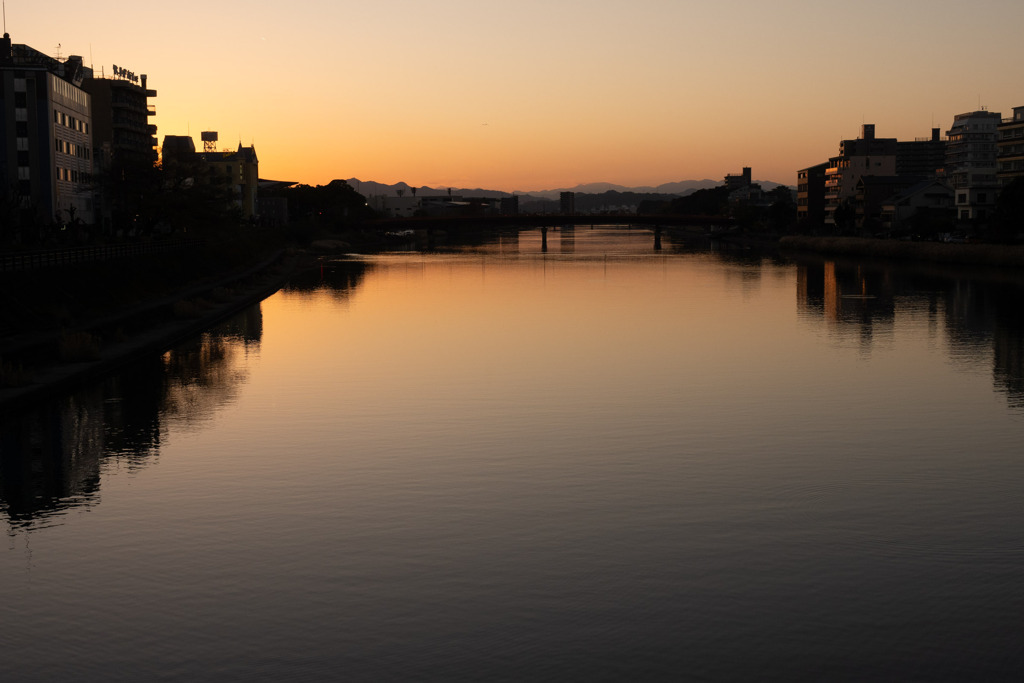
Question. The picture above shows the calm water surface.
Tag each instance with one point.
(596, 462)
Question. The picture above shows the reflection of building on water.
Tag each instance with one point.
(567, 239)
(978, 315)
(858, 300)
(1009, 363)
(49, 460)
(340, 277)
(205, 374)
(51, 457)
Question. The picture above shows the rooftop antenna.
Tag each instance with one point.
(58, 52)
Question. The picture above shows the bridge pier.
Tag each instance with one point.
(544, 240)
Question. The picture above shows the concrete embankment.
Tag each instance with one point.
(996, 255)
(35, 367)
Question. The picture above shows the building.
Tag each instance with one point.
(46, 149)
(971, 163)
(236, 173)
(735, 182)
(509, 206)
(567, 203)
(810, 195)
(866, 155)
(872, 193)
(401, 206)
(121, 112)
(177, 150)
(930, 201)
(124, 146)
(1010, 148)
(923, 157)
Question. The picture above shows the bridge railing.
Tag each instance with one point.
(56, 258)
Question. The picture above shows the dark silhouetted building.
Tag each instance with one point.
(1010, 148)
(46, 157)
(872, 192)
(923, 157)
(867, 155)
(236, 172)
(932, 199)
(810, 195)
(510, 206)
(567, 203)
(121, 111)
(124, 146)
(735, 182)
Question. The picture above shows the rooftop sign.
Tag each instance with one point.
(125, 74)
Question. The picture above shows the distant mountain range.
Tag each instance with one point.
(682, 188)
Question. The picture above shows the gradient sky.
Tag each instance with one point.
(537, 95)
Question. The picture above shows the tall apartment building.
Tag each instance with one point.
(922, 158)
(46, 157)
(1010, 148)
(567, 203)
(867, 155)
(810, 195)
(125, 145)
(121, 112)
(971, 163)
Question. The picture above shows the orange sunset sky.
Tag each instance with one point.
(538, 95)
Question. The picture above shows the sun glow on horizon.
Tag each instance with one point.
(537, 96)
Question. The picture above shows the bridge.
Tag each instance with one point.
(542, 221)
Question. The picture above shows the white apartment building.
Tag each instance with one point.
(971, 152)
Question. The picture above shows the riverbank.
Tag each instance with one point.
(995, 255)
(48, 357)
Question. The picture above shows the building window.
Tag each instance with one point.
(961, 198)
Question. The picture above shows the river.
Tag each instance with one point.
(594, 461)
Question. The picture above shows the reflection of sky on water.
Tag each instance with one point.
(433, 465)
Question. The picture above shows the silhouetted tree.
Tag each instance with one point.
(323, 207)
(1008, 222)
(845, 217)
(712, 201)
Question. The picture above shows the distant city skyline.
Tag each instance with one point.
(542, 95)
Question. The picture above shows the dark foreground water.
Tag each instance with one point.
(600, 462)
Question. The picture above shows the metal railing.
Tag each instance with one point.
(56, 258)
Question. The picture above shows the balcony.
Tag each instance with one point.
(150, 110)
